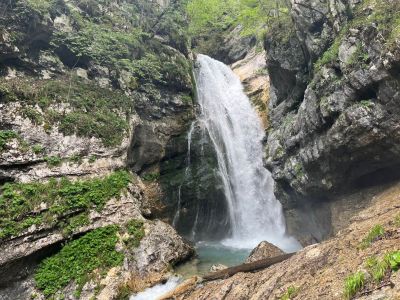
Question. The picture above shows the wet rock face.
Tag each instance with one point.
(193, 192)
(334, 101)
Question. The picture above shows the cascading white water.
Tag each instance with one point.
(236, 133)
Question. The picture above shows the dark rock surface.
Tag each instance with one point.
(334, 109)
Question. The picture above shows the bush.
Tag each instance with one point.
(77, 259)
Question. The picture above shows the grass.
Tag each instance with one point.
(290, 293)
(377, 270)
(77, 259)
(376, 232)
(19, 200)
(353, 284)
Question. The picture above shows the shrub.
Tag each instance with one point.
(77, 259)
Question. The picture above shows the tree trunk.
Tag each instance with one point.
(249, 267)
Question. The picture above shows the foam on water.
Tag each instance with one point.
(158, 290)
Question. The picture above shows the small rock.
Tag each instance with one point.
(264, 250)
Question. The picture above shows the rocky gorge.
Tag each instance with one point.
(105, 167)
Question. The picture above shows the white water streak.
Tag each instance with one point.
(236, 133)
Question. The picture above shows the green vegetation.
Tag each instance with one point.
(377, 270)
(290, 293)
(366, 103)
(77, 259)
(96, 112)
(353, 284)
(5, 137)
(385, 15)
(253, 16)
(359, 57)
(120, 41)
(151, 176)
(375, 233)
(53, 161)
(330, 55)
(37, 149)
(19, 200)
(136, 233)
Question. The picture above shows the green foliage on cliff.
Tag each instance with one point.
(5, 137)
(136, 233)
(77, 259)
(382, 15)
(20, 203)
(92, 111)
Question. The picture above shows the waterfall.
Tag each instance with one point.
(236, 134)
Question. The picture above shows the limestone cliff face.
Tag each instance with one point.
(334, 100)
(87, 88)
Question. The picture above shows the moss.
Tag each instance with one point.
(19, 200)
(353, 284)
(374, 234)
(77, 259)
(5, 137)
